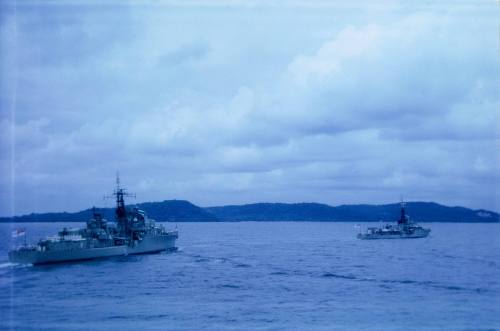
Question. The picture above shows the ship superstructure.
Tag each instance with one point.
(132, 233)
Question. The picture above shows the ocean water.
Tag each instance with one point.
(265, 276)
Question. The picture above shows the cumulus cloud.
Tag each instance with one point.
(227, 106)
(413, 77)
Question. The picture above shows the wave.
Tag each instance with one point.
(404, 282)
(228, 286)
(7, 265)
(332, 275)
(279, 273)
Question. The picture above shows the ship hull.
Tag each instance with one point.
(25, 256)
(149, 244)
(153, 244)
(419, 234)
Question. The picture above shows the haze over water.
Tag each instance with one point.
(266, 276)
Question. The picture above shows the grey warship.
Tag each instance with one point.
(404, 229)
(132, 233)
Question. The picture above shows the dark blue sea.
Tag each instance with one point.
(265, 276)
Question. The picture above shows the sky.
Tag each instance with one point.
(232, 102)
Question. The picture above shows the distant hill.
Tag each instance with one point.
(176, 211)
(276, 212)
(419, 211)
(169, 210)
(184, 211)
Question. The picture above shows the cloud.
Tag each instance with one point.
(350, 44)
(184, 54)
(372, 77)
(235, 105)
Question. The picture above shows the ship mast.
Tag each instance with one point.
(402, 219)
(120, 211)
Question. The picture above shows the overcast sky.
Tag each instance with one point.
(232, 102)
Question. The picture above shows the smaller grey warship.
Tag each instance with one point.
(404, 229)
(133, 233)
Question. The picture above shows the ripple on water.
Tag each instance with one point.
(404, 282)
(292, 284)
(279, 273)
(203, 259)
(333, 275)
(228, 286)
